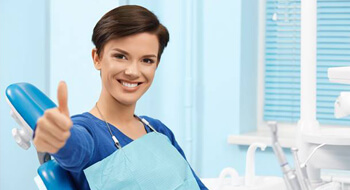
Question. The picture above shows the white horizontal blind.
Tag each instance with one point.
(282, 61)
(333, 50)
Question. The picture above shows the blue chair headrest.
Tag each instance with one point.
(29, 102)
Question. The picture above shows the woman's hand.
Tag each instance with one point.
(53, 128)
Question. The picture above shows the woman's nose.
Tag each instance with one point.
(132, 70)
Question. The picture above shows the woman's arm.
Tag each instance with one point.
(71, 145)
(77, 151)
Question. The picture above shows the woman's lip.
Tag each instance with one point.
(120, 81)
(129, 89)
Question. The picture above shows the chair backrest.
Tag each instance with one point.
(28, 104)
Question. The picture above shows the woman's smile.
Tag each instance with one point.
(129, 86)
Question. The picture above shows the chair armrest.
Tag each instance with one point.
(55, 177)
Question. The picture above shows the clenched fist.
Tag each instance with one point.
(53, 128)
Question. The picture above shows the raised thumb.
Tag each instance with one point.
(62, 96)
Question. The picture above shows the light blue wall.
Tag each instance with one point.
(22, 58)
(221, 84)
(71, 28)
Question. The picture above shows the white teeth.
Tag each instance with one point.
(129, 84)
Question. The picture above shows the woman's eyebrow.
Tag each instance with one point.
(150, 55)
(121, 51)
(126, 53)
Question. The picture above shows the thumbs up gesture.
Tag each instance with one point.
(53, 128)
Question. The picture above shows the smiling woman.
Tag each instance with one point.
(110, 147)
(127, 67)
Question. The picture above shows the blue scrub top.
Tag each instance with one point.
(90, 142)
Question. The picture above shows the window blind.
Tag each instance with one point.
(333, 50)
(282, 61)
(282, 58)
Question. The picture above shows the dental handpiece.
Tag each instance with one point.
(300, 171)
(289, 175)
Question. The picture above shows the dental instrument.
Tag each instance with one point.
(289, 175)
(335, 154)
(298, 179)
(332, 144)
(300, 170)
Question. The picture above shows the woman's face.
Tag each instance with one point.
(128, 66)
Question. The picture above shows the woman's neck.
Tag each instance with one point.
(113, 111)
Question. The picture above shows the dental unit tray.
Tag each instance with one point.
(28, 104)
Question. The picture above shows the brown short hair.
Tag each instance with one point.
(128, 20)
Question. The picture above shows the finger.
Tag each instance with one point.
(51, 130)
(60, 120)
(43, 145)
(62, 96)
(54, 143)
(44, 138)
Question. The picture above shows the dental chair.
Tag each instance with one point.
(28, 104)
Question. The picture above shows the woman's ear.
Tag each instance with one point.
(96, 59)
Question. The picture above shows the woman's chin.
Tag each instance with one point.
(127, 102)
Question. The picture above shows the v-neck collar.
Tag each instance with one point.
(115, 129)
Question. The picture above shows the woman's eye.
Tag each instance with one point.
(148, 60)
(120, 56)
